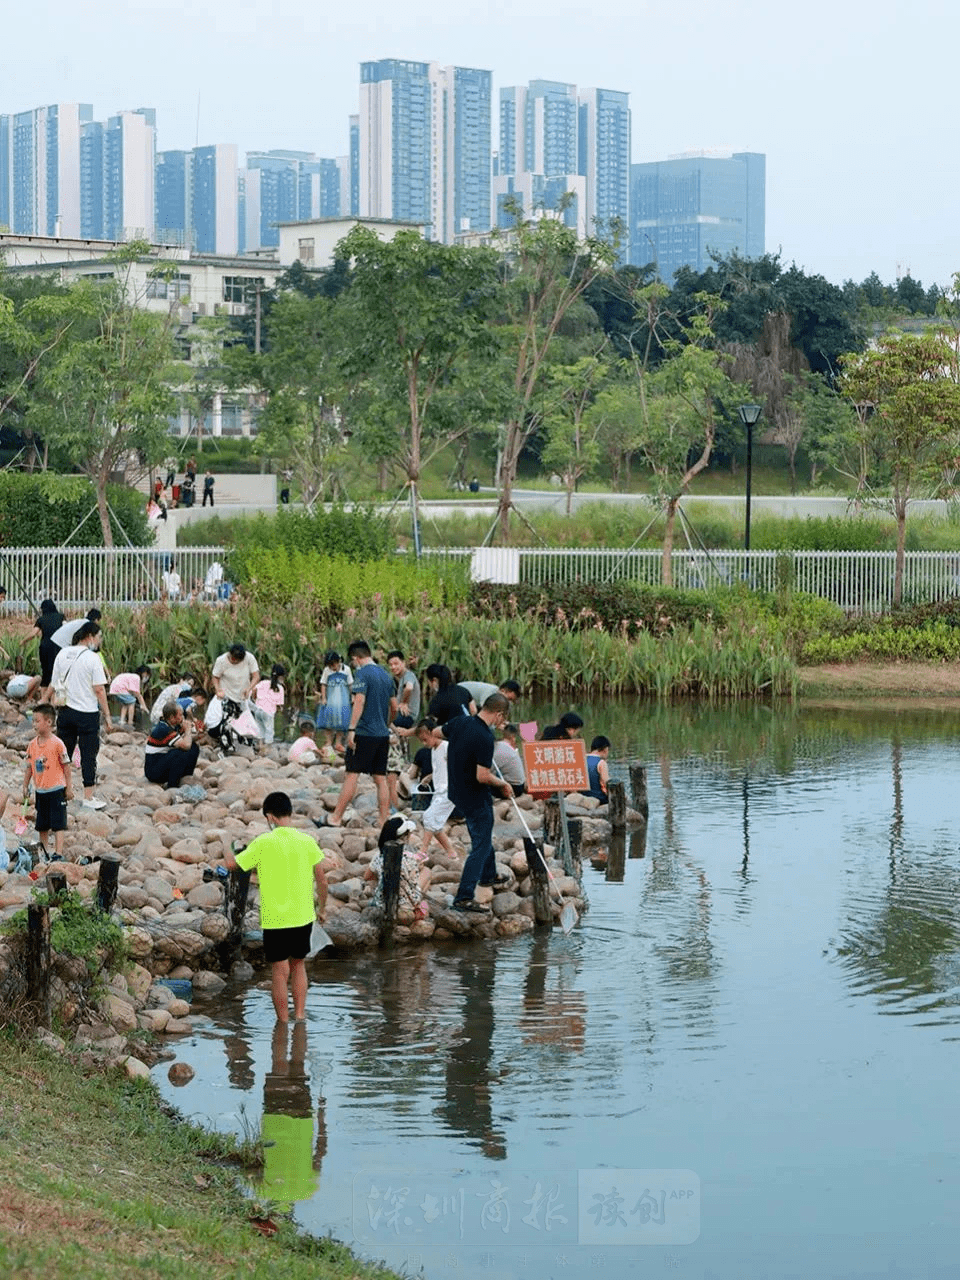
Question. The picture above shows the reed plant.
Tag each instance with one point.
(746, 657)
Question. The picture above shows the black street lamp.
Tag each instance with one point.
(749, 416)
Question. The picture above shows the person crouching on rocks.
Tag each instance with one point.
(414, 876)
(171, 752)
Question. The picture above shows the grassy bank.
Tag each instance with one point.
(104, 1183)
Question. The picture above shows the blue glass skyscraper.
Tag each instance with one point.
(685, 207)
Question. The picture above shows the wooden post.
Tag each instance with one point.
(638, 789)
(638, 841)
(56, 885)
(235, 906)
(618, 806)
(542, 912)
(38, 962)
(551, 820)
(107, 884)
(390, 886)
(565, 836)
(616, 856)
(575, 829)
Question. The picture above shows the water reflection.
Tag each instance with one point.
(469, 1077)
(716, 1009)
(293, 1131)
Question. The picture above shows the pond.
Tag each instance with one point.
(742, 1063)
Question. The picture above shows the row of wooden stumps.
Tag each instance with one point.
(617, 848)
(560, 831)
(38, 926)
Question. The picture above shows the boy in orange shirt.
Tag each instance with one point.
(48, 765)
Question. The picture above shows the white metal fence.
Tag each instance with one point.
(78, 577)
(858, 581)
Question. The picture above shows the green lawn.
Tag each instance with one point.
(100, 1183)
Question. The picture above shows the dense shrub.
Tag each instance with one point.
(827, 533)
(330, 585)
(614, 607)
(359, 534)
(44, 509)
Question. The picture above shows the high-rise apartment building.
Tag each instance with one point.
(323, 188)
(272, 188)
(355, 166)
(174, 197)
(40, 169)
(424, 145)
(6, 173)
(129, 164)
(603, 158)
(560, 148)
(215, 199)
(687, 206)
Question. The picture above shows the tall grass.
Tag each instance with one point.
(744, 658)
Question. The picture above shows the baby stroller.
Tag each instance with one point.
(230, 724)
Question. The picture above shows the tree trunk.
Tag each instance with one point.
(667, 562)
(571, 485)
(793, 469)
(382, 475)
(103, 513)
(508, 470)
(901, 512)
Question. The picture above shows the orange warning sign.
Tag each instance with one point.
(556, 766)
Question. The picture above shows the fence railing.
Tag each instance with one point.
(78, 577)
(858, 581)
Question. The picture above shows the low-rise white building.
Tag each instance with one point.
(312, 242)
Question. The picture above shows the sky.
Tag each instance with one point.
(852, 102)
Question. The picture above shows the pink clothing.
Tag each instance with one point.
(300, 747)
(126, 682)
(268, 699)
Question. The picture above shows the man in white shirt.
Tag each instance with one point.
(80, 687)
(235, 674)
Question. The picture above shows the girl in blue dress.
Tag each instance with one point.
(333, 713)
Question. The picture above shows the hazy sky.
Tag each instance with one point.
(851, 101)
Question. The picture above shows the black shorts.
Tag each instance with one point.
(286, 944)
(52, 810)
(368, 755)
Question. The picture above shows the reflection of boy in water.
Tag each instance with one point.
(291, 1166)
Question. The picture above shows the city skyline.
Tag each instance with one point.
(838, 98)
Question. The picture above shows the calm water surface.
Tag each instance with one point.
(743, 1063)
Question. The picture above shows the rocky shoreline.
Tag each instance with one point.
(174, 921)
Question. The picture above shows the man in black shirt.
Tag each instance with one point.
(469, 780)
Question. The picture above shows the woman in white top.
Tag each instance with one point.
(80, 687)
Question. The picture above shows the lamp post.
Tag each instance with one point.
(749, 416)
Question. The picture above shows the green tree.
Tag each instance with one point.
(31, 328)
(571, 446)
(301, 426)
(911, 436)
(546, 271)
(105, 394)
(681, 403)
(414, 318)
(208, 372)
(830, 434)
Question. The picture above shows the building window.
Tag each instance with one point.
(238, 288)
(176, 287)
(306, 250)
